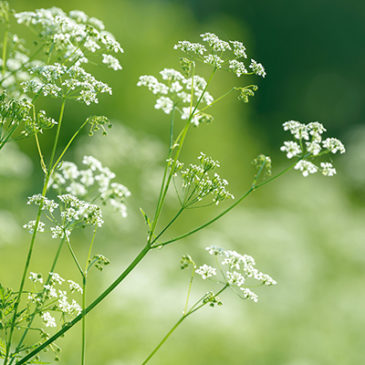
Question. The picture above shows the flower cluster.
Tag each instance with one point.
(51, 295)
(73, 212)
(177, 92)
(63, 81)
(95, 182)
(308, 144)
(221, 55)
(73, 36)
(199, 182)
(236, 271)
(17, 112)
(68, 42)
(76, 211)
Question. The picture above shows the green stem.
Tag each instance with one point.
(193, 309)
(245, 195)
(167, 226)
(31, 246)
(6, 138)
(216, 100)
(42, 293)
(83, 323)
(189, 290)
(90, 307)
(180, 140)
(5, 46)
(67, 147)
(57, 136)
(164, 339)
(84, 279)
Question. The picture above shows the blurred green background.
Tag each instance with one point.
(307, 232)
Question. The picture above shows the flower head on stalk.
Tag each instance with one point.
(308, 144)
(233, 270)
(200, 182)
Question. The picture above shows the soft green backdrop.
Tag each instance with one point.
(308, 233)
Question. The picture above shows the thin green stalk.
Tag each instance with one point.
(90, 307)
(245, 195)
(168, 225)
(46, 283)
(57, 135)
(84, 280)
(5, 46)
(180, 140)
(193, 309)
(6, 138)
(165, 170)
(164, 339)
(216, 100)
(67, 147)
(189, 290)
(83, 323)
(75, 258)
(31, 246)
(43, 165)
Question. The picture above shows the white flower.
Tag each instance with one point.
(237, 67)
(195, 48)
(235, 278)
(257, 68)
(49, 205)
(334, 145)
(69, 170)
(55, 278)
(164, 103)
(206, 271)
(249, 294)
(328, 169)
(306, 167)
(31, 224)
(239, 50)
(171, 75)
(111, 62)
(51, 291)
(59, 232)
(298, 130)
(215, 251)
(74, 287)
(313, 147)
(214, 60)
(217, 44)
(48, 320)
(35, 277)
(291, 148)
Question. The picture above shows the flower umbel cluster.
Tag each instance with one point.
(234, 270)
(94, 183)
(176, 92)
(221, 55)
(74, 36)
(51, 296)
(308, 144)
(200, 181)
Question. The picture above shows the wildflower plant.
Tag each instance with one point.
(73, 197)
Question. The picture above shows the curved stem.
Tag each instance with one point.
(193, 309)
(164, 339)
(167, 226)
(245, 195)
(42, 293)
(31, 246)
(180, 140)
(91, 306)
